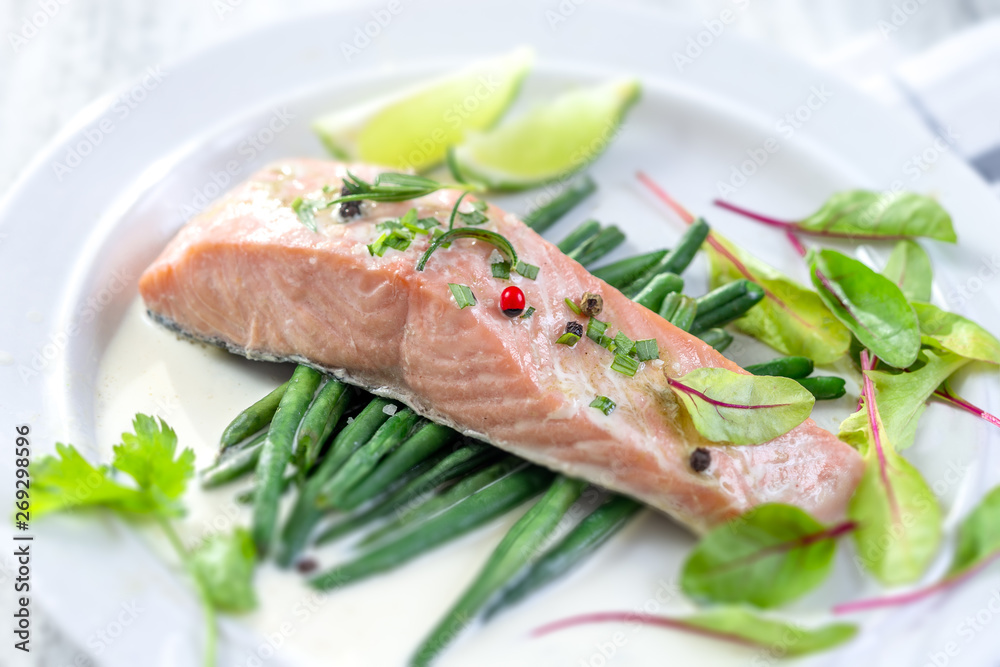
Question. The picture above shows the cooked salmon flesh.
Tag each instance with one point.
(247, 274)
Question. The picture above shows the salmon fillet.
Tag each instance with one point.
(248, 275)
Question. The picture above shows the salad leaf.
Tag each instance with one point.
(869, 304)
(870, 214)
(741, 409)
(767, 557)
(978, 536)
(792, 318)
(910, 268)
(224, 564)
(978, 546)
(957, 334)
(902, 398)
(898, 516)
(776, 637)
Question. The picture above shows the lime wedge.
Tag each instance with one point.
(414, 129)
(546, 143)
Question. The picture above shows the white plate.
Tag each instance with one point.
(74, 244)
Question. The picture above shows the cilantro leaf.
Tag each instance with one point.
(68, 481)
(224, 565)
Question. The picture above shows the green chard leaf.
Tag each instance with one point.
(767, 557)
(910, 268)
(978, 536)
(899, 518)
(741, 409)
(902, 398)
(869, 304)
(792, 318)
(224, 564)
(862, 214)
(956, 334)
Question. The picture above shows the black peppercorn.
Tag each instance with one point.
(574, 328)
(349, 209)
(591, 304)
(701, 458)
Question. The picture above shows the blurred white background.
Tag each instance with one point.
(60, 55)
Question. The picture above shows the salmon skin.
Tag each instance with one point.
(248, 275)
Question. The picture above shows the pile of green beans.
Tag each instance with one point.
(823, 387)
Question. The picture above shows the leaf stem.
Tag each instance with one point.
(868, 391)
(774, 222)
(719, 404)
(918, 594)
(644, 619)
(945, 394)
(206, 604)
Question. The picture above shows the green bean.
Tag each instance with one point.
(545, 216)
(656, 290)
(247, 496)
(581, 542)
(598, 247)
(277, 452)
(675, 261)
(234, 464)
(720, 339)
(729, 311)
(579, 236)
(491, 502)
(445, 469)
(319, 421)
(253, 419)
(824, 387)
(788, 367)
(427, 440)
(305, 512)
(460, 490)
(682, 310)
(624, 271)
(723, 295)
(356, 434)
(380, 508)
(512, 556)
(388, 437)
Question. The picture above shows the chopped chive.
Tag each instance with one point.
(473, 218)
(528, 313)
(604, 404)
(596, 329)
(529, 271)
(647, 349)
(480, 205)
(463, 295)
(501, 270)
(428, 223)
(625, 365)
(572, 306)
(306, 212)
(623, 344)
(568, 338)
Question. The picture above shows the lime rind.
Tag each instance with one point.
(547, 143)
(413, 130)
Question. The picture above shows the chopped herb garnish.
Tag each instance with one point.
(623, 344)
(500, 270)
(604, 404)
(498, 241)
(454, 211)
(568, 338)
(596, 329)
(529, 271)
(528, 313)
(572, 306)
(473, 218)
(305, 209)
(647, 349)
(591, 304)
(625, 365)
(463, 295)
